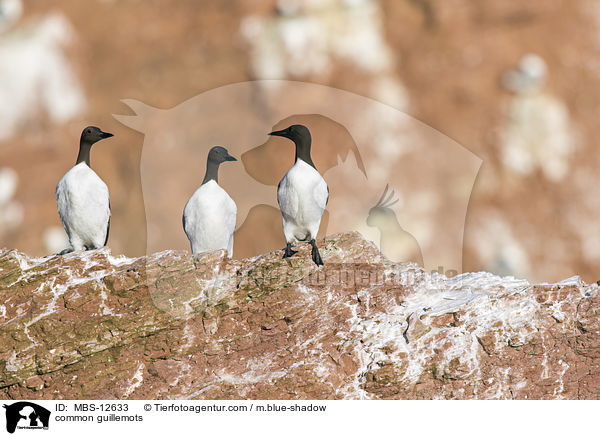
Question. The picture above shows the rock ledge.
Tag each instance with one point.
(166, 326)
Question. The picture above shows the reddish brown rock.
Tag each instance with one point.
(92, 326)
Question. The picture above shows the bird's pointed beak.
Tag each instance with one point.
(230, 157)
(105, 135)
(283, 133)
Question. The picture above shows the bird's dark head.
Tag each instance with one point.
(296, 132)
(219, 155)
(91, 135)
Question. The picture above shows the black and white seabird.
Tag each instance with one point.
(82, 199)
(210, 213)
(302, 194)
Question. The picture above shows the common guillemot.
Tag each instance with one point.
(210, 213)
(302, 194)
(83, 200)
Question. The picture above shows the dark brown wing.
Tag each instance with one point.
(108, 225)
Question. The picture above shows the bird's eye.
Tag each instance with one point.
(88, 131)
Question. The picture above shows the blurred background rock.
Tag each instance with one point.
(517, 84)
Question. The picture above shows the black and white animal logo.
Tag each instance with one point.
(26, 415)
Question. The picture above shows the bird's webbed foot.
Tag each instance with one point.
(316, 256)
(288, 252)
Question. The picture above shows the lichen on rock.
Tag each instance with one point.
(170, 325)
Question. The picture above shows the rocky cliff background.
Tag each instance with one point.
(514, 83)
